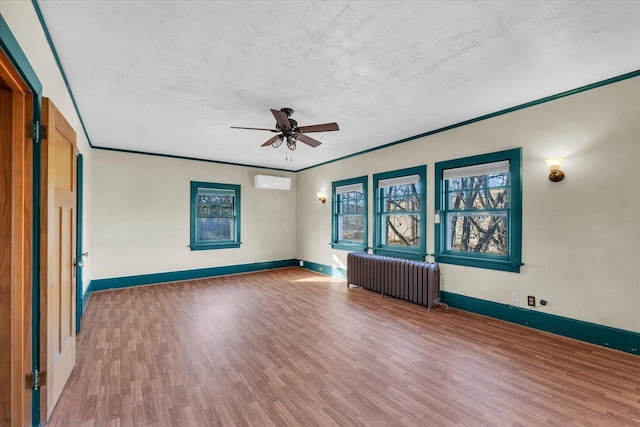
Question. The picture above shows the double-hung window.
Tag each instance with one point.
(215, 216)
(400, 203)
(349, 219)
(479, 211)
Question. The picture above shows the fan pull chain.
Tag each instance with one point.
(288, 155)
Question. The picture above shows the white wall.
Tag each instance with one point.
(141, 212)
(25, 27)
(581, 237)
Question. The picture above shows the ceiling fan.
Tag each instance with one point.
(289, 131)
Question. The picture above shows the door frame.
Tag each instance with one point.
(79, 253)
(11, 48)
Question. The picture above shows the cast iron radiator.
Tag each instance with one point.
(414, 281)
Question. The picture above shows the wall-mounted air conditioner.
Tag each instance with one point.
(272, 182)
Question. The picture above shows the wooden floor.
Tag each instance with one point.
(291, 347)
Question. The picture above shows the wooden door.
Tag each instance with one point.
(58, 310)
(16, 112)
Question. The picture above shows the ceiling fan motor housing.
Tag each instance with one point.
(287, 111)
(293, 124)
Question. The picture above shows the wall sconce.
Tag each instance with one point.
(321, 196)
(555, 174)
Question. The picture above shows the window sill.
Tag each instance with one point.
(349, 247)
(413, 255)
(205, 247)
(478, 262)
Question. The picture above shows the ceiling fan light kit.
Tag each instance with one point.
(289, 131)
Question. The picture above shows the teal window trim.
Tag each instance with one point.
(234, 242)
(415, 253)
(336, 243)
(511, 262)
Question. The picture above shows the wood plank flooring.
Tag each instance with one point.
(291, 347)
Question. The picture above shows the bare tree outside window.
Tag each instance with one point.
(350, 214)
(401, 213)
(478, 212)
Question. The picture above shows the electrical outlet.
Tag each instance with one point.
(531, 301)
(301, 263)
(515, 296)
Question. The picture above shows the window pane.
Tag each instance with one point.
(351, 202)
(456, 184)
(214, 229)
(351, 228)
(457, 200)
(401, 198)
(218, 205)
(478, 232)
(391, 205)
(214, 209)
(402, 230)
(352, 205)
(499, 180)
(477, 199)
(481, 181)
(414, 203)
(499, 198)
(227, 209)
(203, 209)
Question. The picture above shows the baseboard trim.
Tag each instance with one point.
(85, 300)
(593, 333)
(177, 276)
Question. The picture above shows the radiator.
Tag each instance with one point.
(414, 281)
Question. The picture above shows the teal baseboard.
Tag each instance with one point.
(176, 276)
(325, 269)
(593, 333)
(85, 299)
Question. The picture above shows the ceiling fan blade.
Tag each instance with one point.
(308, 140)
(325, 127)
(238, 127)
(281, 119)
(270, 141)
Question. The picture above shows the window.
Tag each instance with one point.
(479, 200)
(215, 216)
(400, 228)
(349, 209)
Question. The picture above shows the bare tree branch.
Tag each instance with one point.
(396, 232)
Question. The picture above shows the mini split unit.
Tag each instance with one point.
(271, 182)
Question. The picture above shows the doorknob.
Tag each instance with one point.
(78, 264)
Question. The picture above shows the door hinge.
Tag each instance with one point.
(36, 131)
(35, 380)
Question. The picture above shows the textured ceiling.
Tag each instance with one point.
(172, 77)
